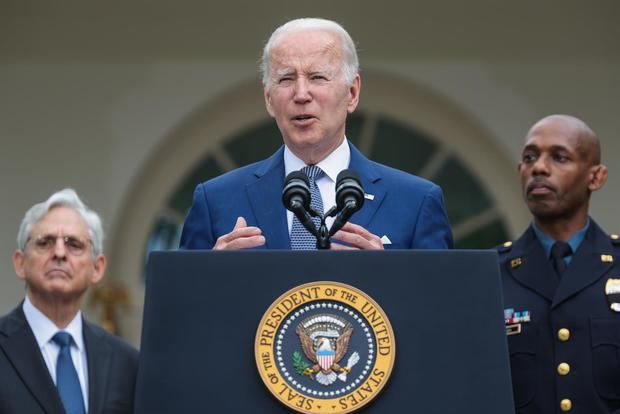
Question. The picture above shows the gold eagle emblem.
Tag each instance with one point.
(325, 340)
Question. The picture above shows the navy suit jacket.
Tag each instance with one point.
(407, 209)
(27, 387)
(577, 302)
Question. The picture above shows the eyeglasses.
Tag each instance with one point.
(47, 242)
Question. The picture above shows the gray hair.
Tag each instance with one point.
(64, 198)
(350, 62)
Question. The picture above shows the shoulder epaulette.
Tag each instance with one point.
(504, 248)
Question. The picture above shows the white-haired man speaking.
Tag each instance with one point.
(311, 84)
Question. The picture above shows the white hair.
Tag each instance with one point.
(64, 198)
(350, 62)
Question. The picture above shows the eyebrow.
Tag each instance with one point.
(284, 72)
(325, 72)
(289, 71)
(52, 235)
(552, 147)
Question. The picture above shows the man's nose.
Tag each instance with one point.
(541, 166)
(302, 90)
(60, 250)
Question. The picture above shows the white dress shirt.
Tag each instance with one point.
(44, 330)
(335, 162)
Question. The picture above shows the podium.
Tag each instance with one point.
(203, 309)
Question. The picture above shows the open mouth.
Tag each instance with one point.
(303, 117)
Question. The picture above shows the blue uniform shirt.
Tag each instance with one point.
(574, 241)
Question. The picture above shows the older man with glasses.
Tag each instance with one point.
(51, 359)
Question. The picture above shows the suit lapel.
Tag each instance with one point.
(527, 264)
(371, 182)
(586, 267)
(98, 355)
(21, 348)
(265, 196)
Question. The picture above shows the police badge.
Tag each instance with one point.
(612, 290)
(325, 347)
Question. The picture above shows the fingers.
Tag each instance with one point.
(240, 223)
(356, 237)
(338, 246)
(242, 236)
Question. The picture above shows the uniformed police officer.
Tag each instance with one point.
(561, 279)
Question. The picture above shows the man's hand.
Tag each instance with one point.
(357, 237)
(241, 237)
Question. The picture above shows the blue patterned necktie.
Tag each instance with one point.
(302, 239)
(67, 380)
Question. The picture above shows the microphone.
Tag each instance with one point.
(296, 198)
(349, 198)
(296, 192)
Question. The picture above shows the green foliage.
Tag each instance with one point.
(299, 363)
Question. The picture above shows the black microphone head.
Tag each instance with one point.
(349, 188)
(297, 175)
(344, 174)
(296, 190)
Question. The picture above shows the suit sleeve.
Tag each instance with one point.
(197, 231)
(120, 387)
(432, 229)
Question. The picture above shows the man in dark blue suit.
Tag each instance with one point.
(311, 83)
(52, 361)
(561, 279)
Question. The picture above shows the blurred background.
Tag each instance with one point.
(132, 103)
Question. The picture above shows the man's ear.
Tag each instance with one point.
(18, 264)
(267, 95)
(99, 269)
(598, 177)
(354, 93)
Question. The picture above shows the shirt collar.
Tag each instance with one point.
(335, 162)
(574, 241)
(44, 329)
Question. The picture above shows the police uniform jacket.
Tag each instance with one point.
(567, 358)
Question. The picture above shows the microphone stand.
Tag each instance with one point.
(349, 199)
(322, 233)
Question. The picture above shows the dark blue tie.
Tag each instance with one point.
(302, 239)
(559, 251)
(67, 380)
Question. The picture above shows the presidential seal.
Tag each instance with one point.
(325, 347)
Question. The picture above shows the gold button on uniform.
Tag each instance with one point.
(566, 404)
(563, 334)
(563, 368)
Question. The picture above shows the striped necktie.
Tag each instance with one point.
(302, 239)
